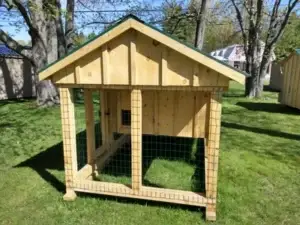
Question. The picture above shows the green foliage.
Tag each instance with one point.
(220, 31)
(178, 23)
(80, 38)
(290, 39)
(258, 171)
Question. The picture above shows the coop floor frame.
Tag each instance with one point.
(82, 180)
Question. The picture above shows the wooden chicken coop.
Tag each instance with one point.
(152, 87)
(290, 93)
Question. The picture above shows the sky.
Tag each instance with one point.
(22, 34)
(7, 19)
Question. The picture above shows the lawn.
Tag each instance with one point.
(259, 170)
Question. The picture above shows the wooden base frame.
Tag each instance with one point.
(147, 193)
(82, 180)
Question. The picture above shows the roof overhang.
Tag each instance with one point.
(131, 22)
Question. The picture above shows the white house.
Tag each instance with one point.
(235, 56)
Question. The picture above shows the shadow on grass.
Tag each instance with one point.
(53, 159)
(269, 107)
(270, 89)
(273, 133)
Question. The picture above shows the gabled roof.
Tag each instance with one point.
(7, 52)
(132, 22)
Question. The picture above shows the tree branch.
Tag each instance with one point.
(240, 21)
(69, 25)
(25, 15)
(15, 46)
(276, 33)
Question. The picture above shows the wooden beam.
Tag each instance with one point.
(136, 139)
(146, 87)
(85, 172)
(69, 140)
(77, 74)
(148, 193)
(106, 151)
(105, 65)
(90, 123)
(132, 61)
(164, 67)
(212, 153)
(103, 119)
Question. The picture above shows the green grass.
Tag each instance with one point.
(258, 172)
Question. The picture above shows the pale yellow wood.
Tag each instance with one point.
(65, 76)
(136, 139)
(77, 73)
(148, 193)
(118, 51)
(180, 69)
(118, 39)
(85, 172)
(148, 57)
(212, 152)
(164, 67)
(69, 140)
(133, 77)
(291, 82)
(105, 64)
(90, 65)
(85, 50)
(90, 123)
(192, 54)
(148, 118)
(200, 113)
(162, 108)
(183, 114)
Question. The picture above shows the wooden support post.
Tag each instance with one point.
(90, 127)
(136, 139)
(103, 119)
(69, 141)
(212, 153)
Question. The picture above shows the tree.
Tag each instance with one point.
(199, 9)
(50, 38)
(290, 38)
(251, 27)
(178, 22)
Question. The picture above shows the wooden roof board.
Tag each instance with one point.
(133, 22)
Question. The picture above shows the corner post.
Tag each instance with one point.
(136, 139)
(90, 128)
(69, 140)
(212, 153)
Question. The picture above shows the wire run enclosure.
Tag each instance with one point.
(160, 113)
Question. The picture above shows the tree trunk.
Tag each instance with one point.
(200, 23)
(45, 50)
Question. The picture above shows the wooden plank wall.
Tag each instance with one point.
(290, 93)
(153, 63)
(172, 113)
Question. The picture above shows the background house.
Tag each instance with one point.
(16, 75)
(235, 56)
